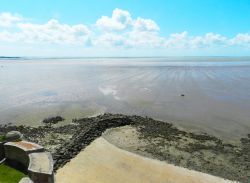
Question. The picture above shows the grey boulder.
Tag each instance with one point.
(13, 136)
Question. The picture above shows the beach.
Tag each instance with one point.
(215, 92)
(188, 114)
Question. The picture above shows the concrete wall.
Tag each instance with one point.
(41, 178)
(39, 164)
(2, 154)
(14, 153)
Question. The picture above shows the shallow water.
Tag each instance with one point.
(217, 93)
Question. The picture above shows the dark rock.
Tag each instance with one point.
(53, 120)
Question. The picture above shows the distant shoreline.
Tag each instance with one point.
(3, 57)
(166, 58)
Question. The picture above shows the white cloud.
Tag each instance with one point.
(54, 32)
(241, 39)
(120, 31)
(177, 40)
(185, 41)
(120, 20)
(145, 39)
(51, 32)
(7, 19)
(212, 38)
(208, 40)
(141, 24)
(6, 36)
(131, 39)
(111, 40)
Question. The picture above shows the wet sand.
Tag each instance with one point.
(216, 101)
(102, 162)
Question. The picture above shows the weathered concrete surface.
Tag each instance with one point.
(2, 154)
(102, 162)
(41, 167)
(19, 151)
(41, 162)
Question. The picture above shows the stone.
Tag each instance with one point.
(13, 136)
(26, 180)
(53, 120)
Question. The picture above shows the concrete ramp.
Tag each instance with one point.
(102, 162)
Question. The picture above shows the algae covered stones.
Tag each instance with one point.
(53, 120)
(13, 136)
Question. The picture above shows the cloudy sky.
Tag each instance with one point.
(125, 28)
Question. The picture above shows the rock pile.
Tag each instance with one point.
(53, 120)
(87, 131)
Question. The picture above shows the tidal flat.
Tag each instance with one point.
(206, 94)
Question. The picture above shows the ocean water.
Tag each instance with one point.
(216, 101)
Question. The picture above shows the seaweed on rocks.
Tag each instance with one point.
(89, 129)
(201, 152)
(53, 120)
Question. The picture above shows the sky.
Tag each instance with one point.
(124, 28)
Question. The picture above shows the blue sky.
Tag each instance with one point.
(124, 28)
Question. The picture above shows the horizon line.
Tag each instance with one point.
(82, 57)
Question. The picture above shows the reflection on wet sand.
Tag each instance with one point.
(216, 96)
